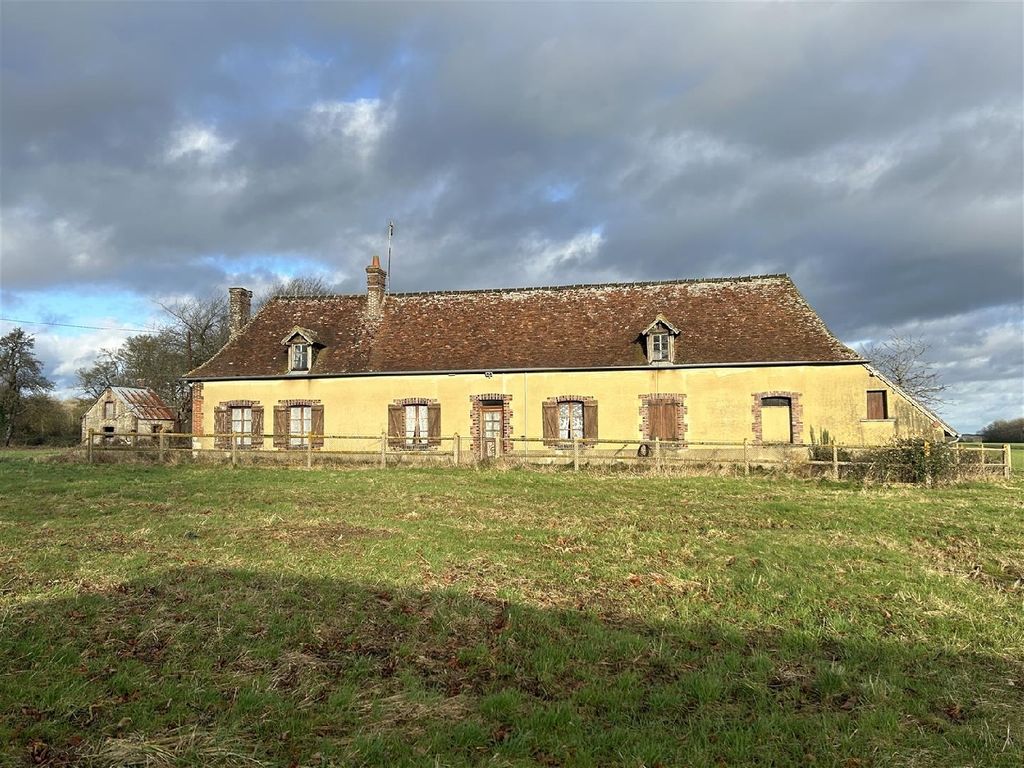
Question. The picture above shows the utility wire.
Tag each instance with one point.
(72, 325)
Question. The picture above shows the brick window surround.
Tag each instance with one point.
(477, 404)
(796, 414)
(197, 408)
(586, 400)
(674, 398)
(398, 442)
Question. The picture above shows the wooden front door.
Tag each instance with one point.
(492, 427)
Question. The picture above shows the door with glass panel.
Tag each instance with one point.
(492, 428)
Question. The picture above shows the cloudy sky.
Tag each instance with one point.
(872, 151)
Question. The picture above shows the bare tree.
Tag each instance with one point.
(902, 358)
(199, 326)
(296, 286)
(21, 375)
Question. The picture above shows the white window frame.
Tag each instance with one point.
(300, 424)
(417, 425)
(241, 425)
(300, 351)
(567, 411)
(661, 347)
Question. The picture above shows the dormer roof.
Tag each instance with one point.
(307, 335)
(662, 321)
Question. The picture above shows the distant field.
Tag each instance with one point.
(204, 616)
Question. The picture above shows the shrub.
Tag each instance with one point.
(914, 460)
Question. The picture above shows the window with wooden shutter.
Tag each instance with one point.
(396, 426)
(317, 425)
(257, 426)
(663, 420)
(281, 424)
(878, 405)
(434, 424)
(550, 422)
(590, 420)
(222, 426)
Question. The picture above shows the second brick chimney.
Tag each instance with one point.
(239, 308)
(376, 281)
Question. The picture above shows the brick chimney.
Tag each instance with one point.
(239, 307)
(375, 282)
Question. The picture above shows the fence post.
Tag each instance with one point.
(1007, 461)
(927, 463)
(234, 450)
(309, 450)
(746, 460)
(163, 446)
(91, 433)
(499, 446)
(576, 454)
(835, 461)
(456, 449)
(383, 450)
(657, 453)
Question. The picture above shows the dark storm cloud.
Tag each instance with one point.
(872, 151)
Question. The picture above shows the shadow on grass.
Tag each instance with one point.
(197, 666)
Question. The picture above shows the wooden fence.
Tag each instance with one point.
(454, 450)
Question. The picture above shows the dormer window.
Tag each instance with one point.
(659, 341)
(302, 347)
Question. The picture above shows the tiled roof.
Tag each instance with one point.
(143, 402)
(727, 321)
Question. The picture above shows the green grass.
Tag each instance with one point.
(203, 616)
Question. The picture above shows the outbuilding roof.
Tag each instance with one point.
(760, 319)
(144, 403)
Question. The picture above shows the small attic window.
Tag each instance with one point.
(660, 344)
(659, 339)
(302, 345)
(300, 356)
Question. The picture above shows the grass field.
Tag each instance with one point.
(204, 616)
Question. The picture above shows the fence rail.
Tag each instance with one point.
(455, 450)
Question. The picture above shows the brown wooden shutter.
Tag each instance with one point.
(550, 421)
(281, 426)
(590, 420)
(396, 425)
(222, 426)
(316, 414)
(257, 426)
(876, 405)
(433, 424)
(662, 419)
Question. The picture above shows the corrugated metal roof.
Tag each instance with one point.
(143, 402)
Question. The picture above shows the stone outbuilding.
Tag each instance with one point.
(128, 409)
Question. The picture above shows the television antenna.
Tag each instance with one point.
(391, 233)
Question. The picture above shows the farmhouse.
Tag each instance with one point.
(127, 409)
(688, 362)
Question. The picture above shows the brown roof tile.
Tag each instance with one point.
(728, 321)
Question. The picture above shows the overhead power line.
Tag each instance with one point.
(72, 325)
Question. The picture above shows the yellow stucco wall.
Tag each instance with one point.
(718, 400)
